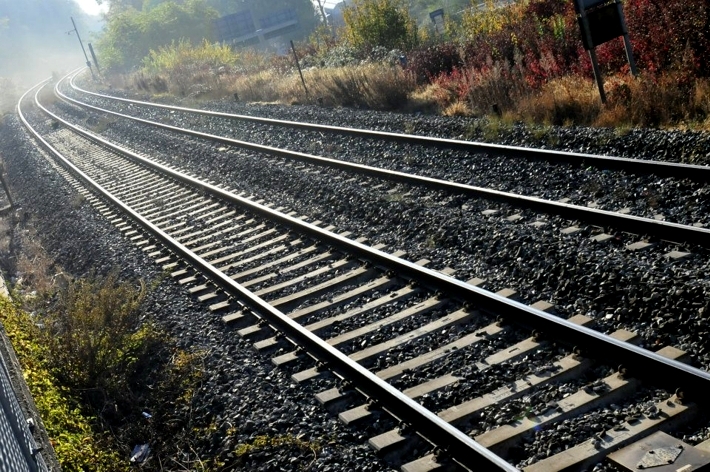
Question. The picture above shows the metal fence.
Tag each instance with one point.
(18, 449)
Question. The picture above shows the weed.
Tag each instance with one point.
(494, 129)
(266, 443)
(99, 125)
(544, 134)
(431, 242)
(394, 197)
(458, 108)
(71, 431)
(623, 130)
(540, 133)
(77, 201)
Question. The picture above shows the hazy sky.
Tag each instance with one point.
(91, 7)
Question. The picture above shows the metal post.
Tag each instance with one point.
(88, 63)
(592, 54)
(293, 48)
(630, 56)
(627, 42)
(597, 74)
(93, 55)
(7, 189)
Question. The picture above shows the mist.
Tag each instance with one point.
(34, 40)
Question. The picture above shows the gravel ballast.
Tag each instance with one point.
(241, 390)
(665, 300)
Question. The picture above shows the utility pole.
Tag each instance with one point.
(93, 56)
(88, 63)
(325, 17)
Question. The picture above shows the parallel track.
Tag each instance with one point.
(282, 270)
(670, 169)
(675, 232)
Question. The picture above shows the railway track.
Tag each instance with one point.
(620, 220)
(675, 169)
(466, 377)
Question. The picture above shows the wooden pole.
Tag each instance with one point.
(293, 48)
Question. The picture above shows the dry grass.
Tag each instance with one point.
(561, 101)
(373, 86)
(642, 101)
(426, 99)
(9, 94)
(497, 90)
(647, 101)
(457, 108)
(35, 268)
(264, 86)
(701, 100)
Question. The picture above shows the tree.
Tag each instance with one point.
(131, 34)
(116, 6)
(385, 23)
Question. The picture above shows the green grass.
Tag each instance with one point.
(93, 361)
(77, 444)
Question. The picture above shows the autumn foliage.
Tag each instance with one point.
(503, 55)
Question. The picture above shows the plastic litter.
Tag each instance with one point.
(140, 453)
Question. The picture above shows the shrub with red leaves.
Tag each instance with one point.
(667, 36)
(433, 61)
(670, 35)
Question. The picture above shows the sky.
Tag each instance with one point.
(91, 7)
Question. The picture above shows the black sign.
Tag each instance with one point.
(604, 24)
(588, 4)
(435, 13)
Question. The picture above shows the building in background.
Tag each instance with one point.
(334, 12)
(243, 29)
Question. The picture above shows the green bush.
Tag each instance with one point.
(130, 34)
(94, 362)
(98, 343)
(385, 23)
(178, 55)
(77, 445)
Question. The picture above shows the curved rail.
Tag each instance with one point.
(464, 449)
(645, 166)
(634, 224)
(641, 362)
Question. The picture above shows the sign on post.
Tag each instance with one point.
(601, 21)
(437, 17)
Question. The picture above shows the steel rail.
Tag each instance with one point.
(461, 447)
(644, 166)
(634, 224)
(639, 362)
